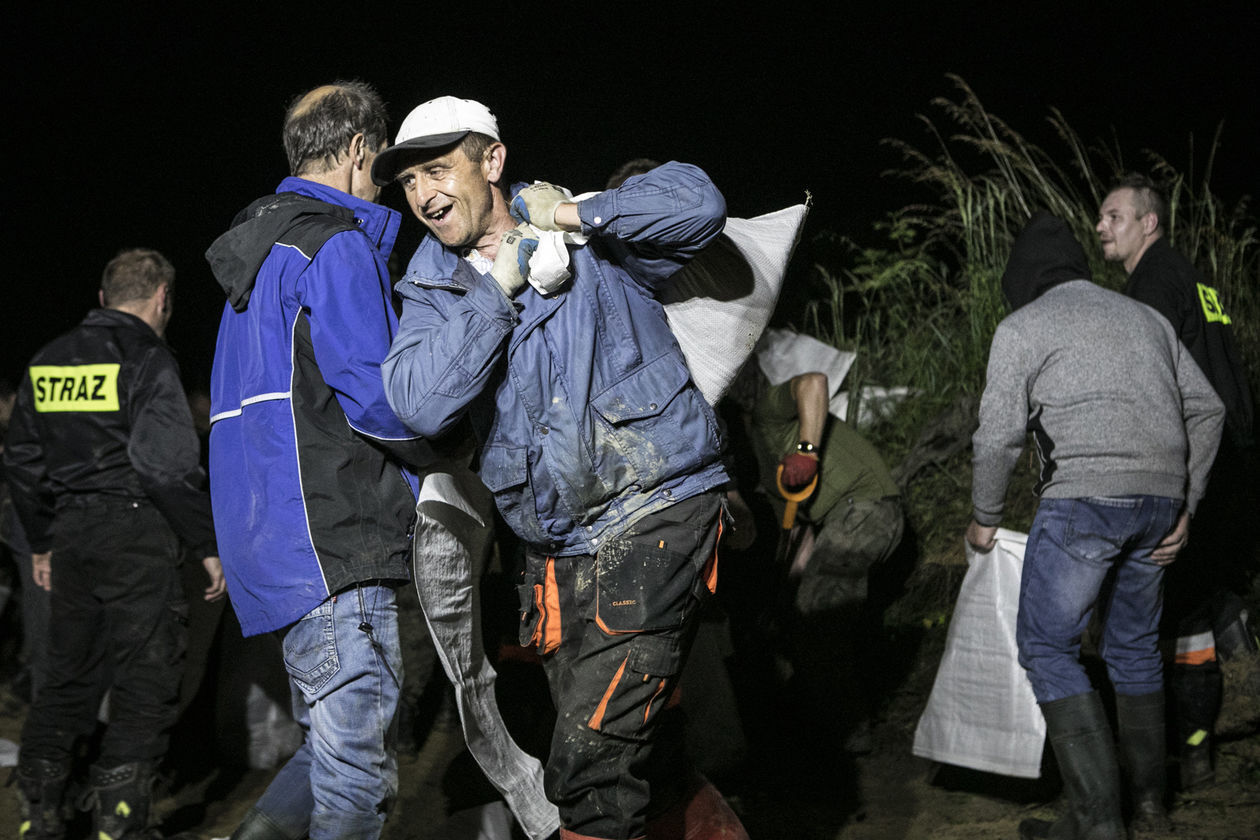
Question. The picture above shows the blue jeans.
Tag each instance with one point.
(345, 684)
(1073, 546)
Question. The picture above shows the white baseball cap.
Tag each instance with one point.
(432, 125)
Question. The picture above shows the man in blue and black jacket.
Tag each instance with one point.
(313, 483)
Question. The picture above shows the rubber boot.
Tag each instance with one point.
(41, 789)
(119, 797)
(1144, 749)
(700, 815)
(1197, 690)
(258, 826)
(1086, 754)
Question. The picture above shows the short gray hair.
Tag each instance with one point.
(317, 131)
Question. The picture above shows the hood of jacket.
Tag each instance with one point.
(1044, 255)
(237, 255)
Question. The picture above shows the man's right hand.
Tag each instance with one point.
(41, 570)
(981, 537)
(511, 264)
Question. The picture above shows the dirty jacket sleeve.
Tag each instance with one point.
(456, 322)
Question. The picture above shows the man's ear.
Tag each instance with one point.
(358, 150)
(1149, 223)
(493, 161)
(100, 296)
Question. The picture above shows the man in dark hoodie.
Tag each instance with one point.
(1126, 427)
(313, 497)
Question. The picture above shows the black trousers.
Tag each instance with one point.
(614, 630)
(118, 622)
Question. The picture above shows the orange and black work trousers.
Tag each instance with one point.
(614, 630)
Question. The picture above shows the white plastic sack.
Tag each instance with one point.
(720, 302)
(454, 521)
(982, 713)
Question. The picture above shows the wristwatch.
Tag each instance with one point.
(807, 448)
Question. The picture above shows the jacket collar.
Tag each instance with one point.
(380, 223)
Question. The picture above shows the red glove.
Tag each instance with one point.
(798, 470)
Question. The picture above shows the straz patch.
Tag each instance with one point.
(75, 387)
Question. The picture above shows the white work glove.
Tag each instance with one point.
(511, 265)
(536, 204)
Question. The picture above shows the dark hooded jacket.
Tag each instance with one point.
(307, 460)
(1044, 255)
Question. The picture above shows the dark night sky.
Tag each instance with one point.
(154, 127)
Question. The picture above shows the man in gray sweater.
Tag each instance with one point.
(1126, 427)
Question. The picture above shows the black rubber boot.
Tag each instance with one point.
(1144, 749)
(41, 787)
(1198, 690)
(258, 826)
(1086, 754)
(120, 797)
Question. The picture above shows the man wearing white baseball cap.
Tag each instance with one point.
(602, 454)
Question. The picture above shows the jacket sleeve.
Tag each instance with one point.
(26, 474)
(450, 340)
(656, 222)
(1204, 416)
(352, 324)
(998, 441)
(165, 453)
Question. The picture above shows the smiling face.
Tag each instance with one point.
(456, 197)
(1125, 235)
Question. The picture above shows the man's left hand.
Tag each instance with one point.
(218, 586)
(536, 205)
(1173, 542)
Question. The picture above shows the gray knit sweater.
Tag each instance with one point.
(1115, 403)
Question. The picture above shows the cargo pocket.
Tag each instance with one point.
(641, 587)
(637, 691)
(540, 605)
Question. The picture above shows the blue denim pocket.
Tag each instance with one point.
(310, 649)
(1097, 529)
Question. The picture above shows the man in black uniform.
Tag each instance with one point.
(1200, 603)
(102, 460)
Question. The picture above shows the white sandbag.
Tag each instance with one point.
(720, 302)
(982, 713)
(454, 525)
